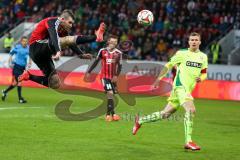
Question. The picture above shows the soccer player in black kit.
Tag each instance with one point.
(47, 41)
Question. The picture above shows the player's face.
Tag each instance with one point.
(112, 43)
(67, 23)
(194, 42)
(24, 42)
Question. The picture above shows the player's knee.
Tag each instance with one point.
(54, 82)
(193, 110)
(110, 95)
(68, 40)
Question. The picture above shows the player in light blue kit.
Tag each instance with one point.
(19, 63)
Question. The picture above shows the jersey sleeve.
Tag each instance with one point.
(52, 26)
(205, 63)
(13, 51)
(176, 59)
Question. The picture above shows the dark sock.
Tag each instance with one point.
(85, 39)
(19, 89)
(110, 107)
(9, 88)
(39, 79)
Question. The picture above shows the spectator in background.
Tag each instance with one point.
(147, 47)
(177, 43)
(161, 50)
(8, 42)
(215, 53)
(171, 18)
(158, 26)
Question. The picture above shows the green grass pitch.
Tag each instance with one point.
(33, 132)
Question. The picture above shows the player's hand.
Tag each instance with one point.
(87, 56)
(114, 79)
(198, 79)
(29, 65)
(87, 76)
(10, 65)
(57, 56)
(155, 84)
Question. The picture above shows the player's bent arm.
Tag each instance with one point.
(164, 71)
(93, 65)
(119, 69)
(52, 26)
(203, 76)
(10, 60)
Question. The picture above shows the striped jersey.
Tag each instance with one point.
(109, 62)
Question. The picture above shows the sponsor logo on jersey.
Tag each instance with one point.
(194, 64)
(109, 61)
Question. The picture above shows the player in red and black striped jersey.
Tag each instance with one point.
(48, 40)
(111, 64)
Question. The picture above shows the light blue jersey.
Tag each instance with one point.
(21, 54)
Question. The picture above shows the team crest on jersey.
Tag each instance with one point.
(194, 64)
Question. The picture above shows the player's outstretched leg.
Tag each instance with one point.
(24, 77)
(81, 39)
(146, 119)
(43, 80)
(98, 37)
(188, 125)
(99, 33)
(168, 111)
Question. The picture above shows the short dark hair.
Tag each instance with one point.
(67, 13)
(24, 37)
(195, 34)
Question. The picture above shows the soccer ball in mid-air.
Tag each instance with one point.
(145, 17)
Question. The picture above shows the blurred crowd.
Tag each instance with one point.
(14, 11)
(174, 20)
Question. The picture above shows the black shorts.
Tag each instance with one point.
(41, 53)
(17, 71)
(108, 85)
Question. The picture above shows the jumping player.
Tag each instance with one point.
(48, 40)
(111, 59)
(19, 63)
(192, 67)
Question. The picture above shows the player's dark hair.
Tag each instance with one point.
(67, 13)
(195, 34)
(24, 37)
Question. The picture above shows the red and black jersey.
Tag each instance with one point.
(48, 28)
(51, 28)
(110, 60)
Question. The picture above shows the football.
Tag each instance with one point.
(145, 17)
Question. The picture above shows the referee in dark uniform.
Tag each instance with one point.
(19, 64)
